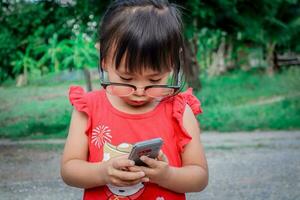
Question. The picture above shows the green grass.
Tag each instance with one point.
(34, 111)
(246, 101)
(237, 101)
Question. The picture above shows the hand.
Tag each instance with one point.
(158, 169)
(120, 171)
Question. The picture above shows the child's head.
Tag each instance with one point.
(138, 36)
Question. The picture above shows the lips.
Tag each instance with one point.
(138, 102)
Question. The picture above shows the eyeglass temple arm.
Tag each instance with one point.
(101, 72)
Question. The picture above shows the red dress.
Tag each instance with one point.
(110, 132)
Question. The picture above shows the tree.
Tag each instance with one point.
(270, 23)
(266, 23)
(22, 65)
(25, 22)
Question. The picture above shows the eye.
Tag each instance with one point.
(155, 80)
(125, 79)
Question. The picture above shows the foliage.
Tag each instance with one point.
(46, 27)
(75, 53)
(48, 36)
(209, 41)
(272, 25)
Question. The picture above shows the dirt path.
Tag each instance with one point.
(261, 165)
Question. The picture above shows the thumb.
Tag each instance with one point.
(162, 157)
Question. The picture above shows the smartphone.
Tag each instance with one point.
(148, 148)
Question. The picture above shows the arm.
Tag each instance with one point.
(78, 172)
(193, 175)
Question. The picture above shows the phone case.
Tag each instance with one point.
(148, 148)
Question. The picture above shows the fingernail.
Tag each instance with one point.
(143, 158)
(145, 180)
(142, 173)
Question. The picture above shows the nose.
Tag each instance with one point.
(140, 91)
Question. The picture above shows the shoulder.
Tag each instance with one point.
(188, 113)
(84, 101)
(186, 103)
(185, 107)
(77, 93)
(190, 122)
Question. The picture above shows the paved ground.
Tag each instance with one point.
(242, 166)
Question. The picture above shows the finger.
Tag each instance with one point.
(162, 157)
(128, 176)
(149, 161)
(122, 163)
(145, 179)
(148, 171)
(134, 169)
(122, 183)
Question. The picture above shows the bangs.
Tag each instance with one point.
(146, 38)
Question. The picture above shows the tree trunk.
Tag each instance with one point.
(230, 62)
(87, 76)
(22, 79)
(270, 57)
(218, 64)
(192, 67)
(275, 61)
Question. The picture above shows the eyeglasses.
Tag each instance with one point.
(154, 91)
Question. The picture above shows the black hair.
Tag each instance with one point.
(147, 32)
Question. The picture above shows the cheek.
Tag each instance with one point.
(126, 99)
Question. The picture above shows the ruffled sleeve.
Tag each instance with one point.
(180, 101)
(79, 100)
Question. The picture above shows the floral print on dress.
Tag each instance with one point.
(100, 135)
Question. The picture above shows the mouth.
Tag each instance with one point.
(137, 103)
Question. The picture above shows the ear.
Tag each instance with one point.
(103, 65)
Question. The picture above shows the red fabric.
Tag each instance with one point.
(108, 126)
(181, 100)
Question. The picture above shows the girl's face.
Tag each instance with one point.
(140, 80)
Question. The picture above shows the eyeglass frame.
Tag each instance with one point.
(106, 84)
(176, 88)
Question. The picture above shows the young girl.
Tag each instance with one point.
(140, 71)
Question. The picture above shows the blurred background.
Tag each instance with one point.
(244, 58)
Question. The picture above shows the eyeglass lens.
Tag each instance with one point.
(124, 90)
